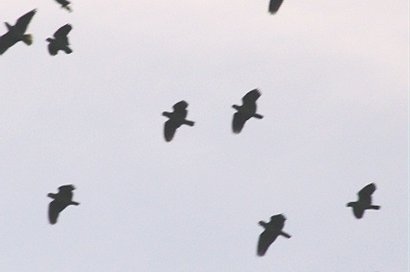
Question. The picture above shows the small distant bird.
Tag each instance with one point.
(61, 200)
(60, 41)
(64, 4)
(274, 6)
(364, 202)
(17, 32)
(272, 230)
(246, 111)
(176, 119)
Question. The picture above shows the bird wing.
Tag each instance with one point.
(23, 21)
(274, 5)
(238, 122)
(169, 130)
(365, 194)
(251, 96)
(63, 31)
(265, 240)
(6, 41)
(63, 2)
(54, 210)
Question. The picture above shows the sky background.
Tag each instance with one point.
(334, 83)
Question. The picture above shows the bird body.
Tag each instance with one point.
(61, 200)
(246, 111)
(364, 202)
(176, 119)
(60, 41)
(273, 229)
(17, 32)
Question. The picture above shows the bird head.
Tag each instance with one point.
(181, 105)
(350, 204)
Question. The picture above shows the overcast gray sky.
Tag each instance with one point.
(334, 83)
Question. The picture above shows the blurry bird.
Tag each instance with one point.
(16, 33)
(272, 230)
(64, 4)
(62, 200)
(176, 119)
(246, 111)
(60, 41)
(274, 6)
(364, 202)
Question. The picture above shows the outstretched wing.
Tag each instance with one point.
(23, 21)
(169, 130)
(6, 41)
(365, 194)
(238, 122)
(62, 32)
(251, 96)
(265, 240)
(274, 5)
(54, 210)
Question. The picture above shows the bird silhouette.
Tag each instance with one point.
(272, 230)
(17, 32)
(246, 111)
(61, 200)
(60, 41)
(176, 119)
(364, 202)
(64, 4)
(274, 6)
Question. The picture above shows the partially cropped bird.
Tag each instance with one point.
(364, 202)
(274, 6)
(272, 230)
(17, 32)
(246, 111)
(60, 41)
(61, 200)
(177, 118)
(64, 4)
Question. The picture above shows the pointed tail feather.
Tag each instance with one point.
(28, 39)
(189, 123)
(285, 234)
(374, 207)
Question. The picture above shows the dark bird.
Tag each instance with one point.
(274, 6)
(60, 41)
(17, 32)
(62, 200)
(272, 230)
(64, 4)
(364, 202)
(176, 119)
(246, 111)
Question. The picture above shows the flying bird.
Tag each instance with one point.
(64, 4)
(61, 200)
(60, 41)
(246, 111)
(274, 6)
(272, 230)
(364, 202)
(176, 119)
(17, 32)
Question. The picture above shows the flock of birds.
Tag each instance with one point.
(176, 119)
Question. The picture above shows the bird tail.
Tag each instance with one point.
(374, 207)
(68, 50)
(258, 116)
(189, 123)
(28, 39)
(74, 203)
(285, 234)
(68, 8)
